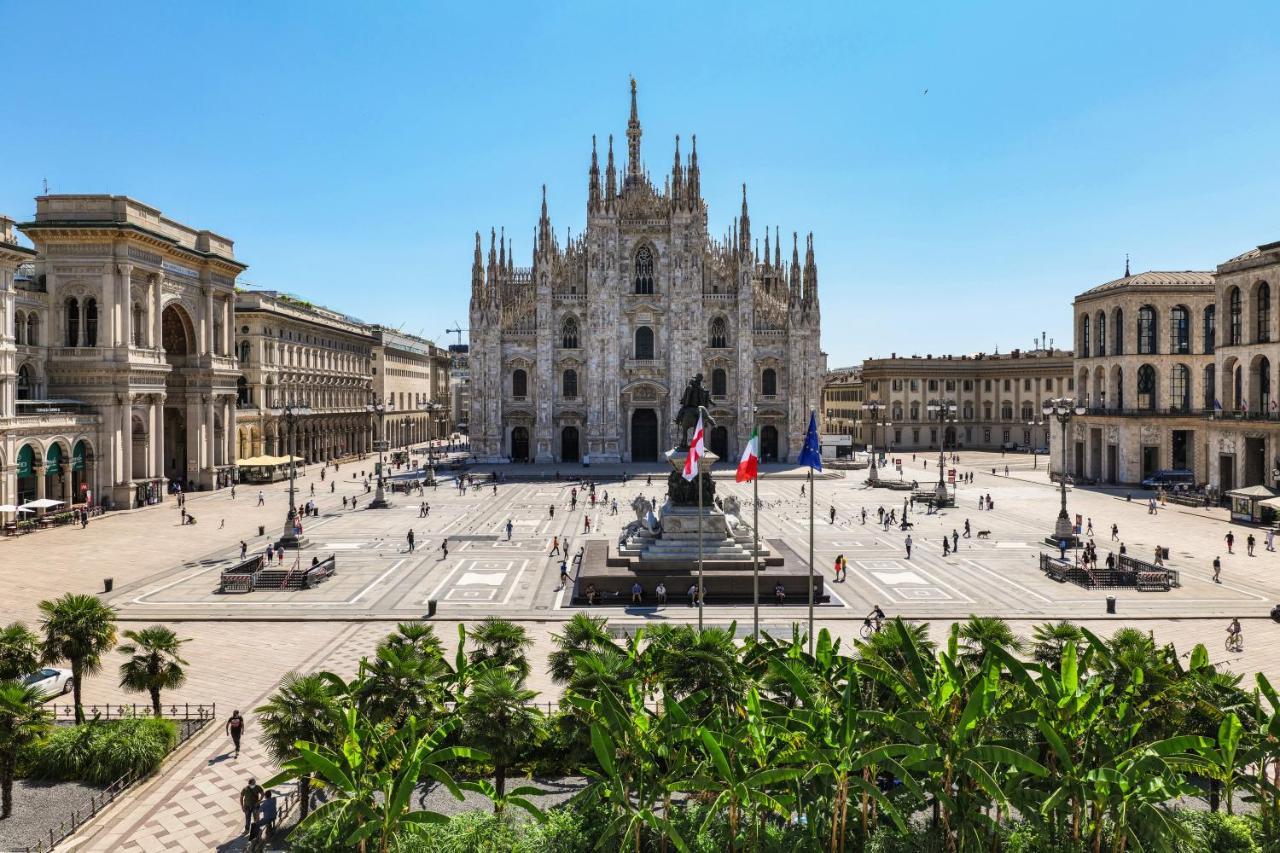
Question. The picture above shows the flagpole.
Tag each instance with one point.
(810, 561)
(698, 480)
(755, 536)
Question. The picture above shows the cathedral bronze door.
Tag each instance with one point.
(519, 444)
(719, 441)
(644, 435)
(769, 444)
(569, 444)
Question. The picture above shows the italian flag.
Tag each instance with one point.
(697, 447)
(749, 464)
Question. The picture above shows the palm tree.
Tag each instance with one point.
(502, 643)
(19, 651)
(979, 632)
(80, 629)
(23, 721)
(418, 637)
(1051, 638)
(303, 708)
(154, 664)
(582, 633)
(498, 718)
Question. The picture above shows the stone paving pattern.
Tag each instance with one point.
(241, 645)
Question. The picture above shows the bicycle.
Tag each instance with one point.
(868, 629)
(1235, 643)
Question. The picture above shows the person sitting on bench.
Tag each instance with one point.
(780, 593)
(591, 593)
(637, 593)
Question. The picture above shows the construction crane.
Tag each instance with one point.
(457, 331)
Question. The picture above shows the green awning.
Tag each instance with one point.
(53, 460)
(26, 461)
(77, 456)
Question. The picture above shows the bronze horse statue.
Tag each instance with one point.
(695, 397)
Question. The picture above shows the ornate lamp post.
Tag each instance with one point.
(945, 412)
(1063, 408)
(379, 408)
(432, 408)
(873, 408)
(291, 412)
(1034, 423)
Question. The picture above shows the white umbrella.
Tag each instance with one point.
(12, 508)
(41, 503)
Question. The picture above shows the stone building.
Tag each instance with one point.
(459, 386)
(117, 330)
(585, 352)
(292, 352)
(997, 399)
(411, 376)
(1182, 374)
(842, 397)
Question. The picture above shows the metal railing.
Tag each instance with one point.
(204, 714)
(185, 711)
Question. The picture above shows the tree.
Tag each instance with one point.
(154, 663)
(418, 637)
(583, 633)
(80, 629)
(497, 641)
(977, 633)
(23, 721)
(498, 718)
(1050, 639)
(303, 708)
(19, 651)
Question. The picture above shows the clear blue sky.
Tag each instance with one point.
(351, 150)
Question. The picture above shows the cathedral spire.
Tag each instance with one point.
(491, 282)
(810, 276)
(634, 170)
(593, 185)
(610, 177)
(477, 277)
(777, 248)
(695, 181)
(794, 283)
(746, 224)
(677, 176)
(545, 238)
(766, 248)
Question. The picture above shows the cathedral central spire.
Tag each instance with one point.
(634, 172)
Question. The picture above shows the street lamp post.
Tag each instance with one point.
(1035, 457)
(945, 411)
(1063, 408)
(379, 408)
(873, 407)
(431, 407)
(291, 412)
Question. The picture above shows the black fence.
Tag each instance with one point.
(1129, 572)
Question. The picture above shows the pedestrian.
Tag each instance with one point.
(966, 528)
(313, 490)
(864, 515)
(1115, 532)
(693, 594)
(271, 552)
(1217, 569)
(444, 546)
(235, 727)
(280, 556)
(946, 546)
(564, 572)
(552, 510)
(509, 526)
(1231, 541)
(1159, 556)
(833, 515)
(955, 540)
(267, 812)
(409, 538)
(555, 546)
(637, 593)
(262, 498)
(244, 549)
(333, 485)
(250, 796)
(660, 591)
(223, 523)
(802, 490)
(908, 543)
(1089, 527)
(839, 558)
(233, 491)
(586, 524)
(1248, 544)
(344, 501)
(1271, 537)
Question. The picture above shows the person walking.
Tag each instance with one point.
(955, 540)
(1271, 539)
(1089, 527)
(1249, 543)
(509, 528)
(1217, 570)
(864, 515)
(1115, 532)
(802, 490)
(250, 795)
(244, 548)
(409, 539)
(966, 528)
(832, 515)
(235, 727)
(444, 547)
(836, 569)
(908, 544)
(586, 524)
(564, 572)
(267, 812)
(271, 551)
(555, 546)
(1231, 541)
(262, 498)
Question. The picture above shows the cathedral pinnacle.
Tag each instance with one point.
(593, 185)
(634, 170)
(610, 176)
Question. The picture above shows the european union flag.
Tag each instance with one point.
(811, 454)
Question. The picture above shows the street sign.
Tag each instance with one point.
(951, 476)
(381, 446)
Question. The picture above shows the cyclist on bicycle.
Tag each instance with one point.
(1235, 634)
(876, 617)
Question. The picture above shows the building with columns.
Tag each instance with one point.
(126, 328)
(586, 351)
(842, 397)
(294, 353)
(411, 377)
(1179, 370)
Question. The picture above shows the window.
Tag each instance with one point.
(933, 385)
(1101, 332)
(569, 333)
(719, 334)
(1263, 303)
(1210, 328)
(986, 385)
(24, 383)
(719, 382)
(1028, 413)
(897, 411)
(986, 411)
(644, 271)
(73, 323)
(91, 322)
(1179, 330)
(569, 384)
(968, 385)
(139, 334)
(897, 385)
(986, 436)
(951, 385)
(1026, 385)
(915, 410)
(968, 411)
(1083, 347)
(1210, 379)
(19, 328)
(242, 392)
(519, 384)
(769, 382)
(644, 344)
(1006, 411)
(915, 384)
(1234, 313)
(1071, 383)
(1147, 388)
(1146, 330)
(1180, 388)
(244, 352)
(1117, 332)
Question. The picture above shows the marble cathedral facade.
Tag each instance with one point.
(584, 354)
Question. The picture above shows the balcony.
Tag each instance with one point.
(1175, 413)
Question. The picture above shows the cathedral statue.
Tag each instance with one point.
(694, 397)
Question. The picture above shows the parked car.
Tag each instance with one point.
(1170, 478)
(1009, 445)
(50, 681)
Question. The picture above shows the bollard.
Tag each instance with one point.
(1111, 604)
(262, 530)
(107, 584)
(431, 607)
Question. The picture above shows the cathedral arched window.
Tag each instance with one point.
(719, 334)
(719, 382)
(244, 352)
(519, 384)
(769, 382)
(73, 323)
(139, 333)
(33, 329)
(569, 333)
(644, 344)
(91, 322)
(644, 271)
(24, 383)
(569, 384)
(19, 328)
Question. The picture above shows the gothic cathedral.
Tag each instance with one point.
(583, 355)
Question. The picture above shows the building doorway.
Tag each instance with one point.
(719, 443)
(1079, 460)
(1113, 464)
(1255, 462)
(1095, 453)
(949, 439)
(175, 446)
(1181, 448)
(1150, 460)
(769, 444)
(569, 444)
(644, 435)
(1226, 472)
(519, 444)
